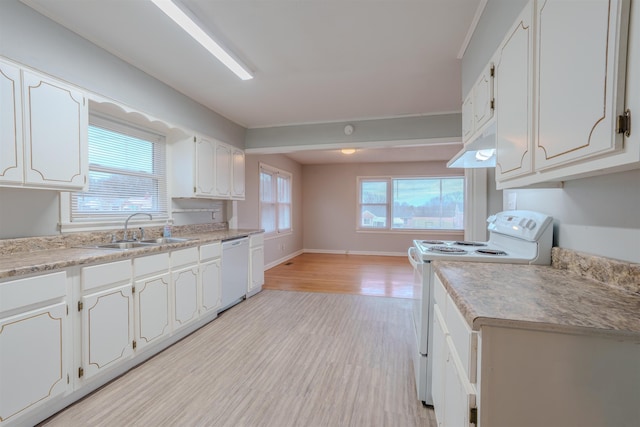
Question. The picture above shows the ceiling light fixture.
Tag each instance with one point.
(348, 150)
(186, 23)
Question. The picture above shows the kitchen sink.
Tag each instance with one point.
(164, 240)
(124, 245)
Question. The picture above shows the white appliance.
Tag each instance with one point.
(518, 236)
(235, 271)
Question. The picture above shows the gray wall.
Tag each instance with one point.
(496, 19)
(276, 248)
(446, 127)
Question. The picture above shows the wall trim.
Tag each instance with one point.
(348, 252)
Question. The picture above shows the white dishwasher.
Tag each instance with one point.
(235, 271)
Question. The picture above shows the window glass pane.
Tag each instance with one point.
(284, 217)
(126, 173)
(266, 187)
(428, 203)
(373, 216)
(373, 192)
(284, 191)
(268, 217)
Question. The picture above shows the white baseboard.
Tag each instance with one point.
(283, 259)
(348, 252)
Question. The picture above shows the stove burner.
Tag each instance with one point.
(447, 250)
(465, 243)
(491, 252)
(433, 242)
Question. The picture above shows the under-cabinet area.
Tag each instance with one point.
(67, 332)
(530, 346)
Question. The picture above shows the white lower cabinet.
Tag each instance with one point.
(256, 264)
(184, 285)
(512, 373)
(34, 342)
(106, 308)
(454, 395)
(210, 278)
(151, 311)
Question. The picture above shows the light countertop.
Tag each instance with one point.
(43, 258)
(539, 297)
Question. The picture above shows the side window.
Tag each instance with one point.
(127, 173)
(275, 200)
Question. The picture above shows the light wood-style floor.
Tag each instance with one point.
(388, 276)
(280, 358)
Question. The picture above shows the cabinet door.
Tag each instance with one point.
(257, 268)
(467, 117)
(185, 292)
(483, 98)
(237, 181)
(514, 100)
(107, 329)
(152, 309)
(11, 155)
(439, 356)
(459, 395)
(223, 170)
(581, 56)
(205, 167)
(56, 123)
(210, 279)
(33, 368)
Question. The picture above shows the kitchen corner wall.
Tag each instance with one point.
(597, 215)
(276, 248)
(35, 41)
(330, 207)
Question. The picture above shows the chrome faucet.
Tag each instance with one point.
(126, 223)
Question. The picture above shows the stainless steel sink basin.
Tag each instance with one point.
(123, 245)
(164, 240)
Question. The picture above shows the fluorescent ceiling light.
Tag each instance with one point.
(186, 23)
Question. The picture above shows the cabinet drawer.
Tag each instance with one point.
(152, 264)
(464, 339)
(210, 251)
(184, 257)
(105, 274)
(439, 293)
(32, 290)
(256, 240)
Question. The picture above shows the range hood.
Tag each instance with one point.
(478, 153)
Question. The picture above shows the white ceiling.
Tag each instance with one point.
(313, 61)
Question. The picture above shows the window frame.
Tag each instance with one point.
(390, 201)
(102, 221)
(276, 173)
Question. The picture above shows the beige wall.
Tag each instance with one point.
(329, 203)
(279, 248)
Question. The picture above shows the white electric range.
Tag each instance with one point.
(517, 237)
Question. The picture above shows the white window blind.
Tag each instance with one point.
(127, 173)
(275, 200)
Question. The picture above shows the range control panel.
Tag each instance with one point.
(527, 225)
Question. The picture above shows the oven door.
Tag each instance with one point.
(421, 299)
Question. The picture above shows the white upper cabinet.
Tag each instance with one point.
(205, 168)
(560, 92)
(237, 174)
(514, 99)
(43, 132)
(11, 170)
(581, 69)
(223, 170)
(205, 151)
(477, 108)
(55, 133)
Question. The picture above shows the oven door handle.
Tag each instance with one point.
(412, 257)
